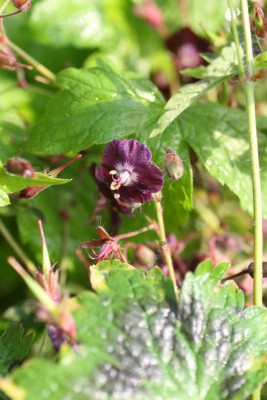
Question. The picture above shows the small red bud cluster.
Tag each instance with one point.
(258, 21)
(22, 5)
(19, 166)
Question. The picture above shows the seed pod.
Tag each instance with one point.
(22, 5)
(173, 165)
(19, 166)
(250, 269)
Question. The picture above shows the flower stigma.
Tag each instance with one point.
(123, 175)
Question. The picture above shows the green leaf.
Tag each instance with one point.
(206, 16)
(134, 343)
(177, 195)
(14, 346)
(50, 204)
(95, 106)
(186, 96)
(11, 183)
(219, 136)
(261, 60)
(224, 66)
(220, 69)
(78, 24)
(4, 199)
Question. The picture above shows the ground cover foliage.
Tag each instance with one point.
(124, 149)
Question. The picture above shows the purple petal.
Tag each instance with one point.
(125, 151)
(150, 180)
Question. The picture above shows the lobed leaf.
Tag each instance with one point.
(219, 136)
(14, 346)
(95, 106)
(11, 183)
(135, 343)
(186, 96)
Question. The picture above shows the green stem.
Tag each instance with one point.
(236, 39)
(255, 168)
(254, 156)
(17, 249)
(248, 85)
(165, 247)
(30, 60)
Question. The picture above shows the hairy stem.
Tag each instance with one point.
(30, 60)
(254, 156)
(255, 167)
(165, 247)
(17, 249)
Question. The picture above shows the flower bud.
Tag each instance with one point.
(251, 269)
(173, 165)
(22, 5)
(145, 256)
(19, 166)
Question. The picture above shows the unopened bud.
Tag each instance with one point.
(251, 269)
(19, 166)
(145, 256)
(173, 165)
(31, 191)
(22, 5)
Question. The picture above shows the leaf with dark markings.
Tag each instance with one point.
(134, 343)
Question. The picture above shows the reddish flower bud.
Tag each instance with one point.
(145, 256)
(31, 191)
(22, 5)
(173, 165)
(19, 166)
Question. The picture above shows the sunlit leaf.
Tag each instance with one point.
(134, 343)
(95, 106)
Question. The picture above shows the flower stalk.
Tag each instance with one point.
(246, 75)
(254, 156)
(165, 247)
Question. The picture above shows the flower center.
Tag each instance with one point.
(120, 179)
(122, 175)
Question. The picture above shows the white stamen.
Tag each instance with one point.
(114, 185)
(116, 196)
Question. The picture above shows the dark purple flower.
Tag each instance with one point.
(128, 172)
(108, 194)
